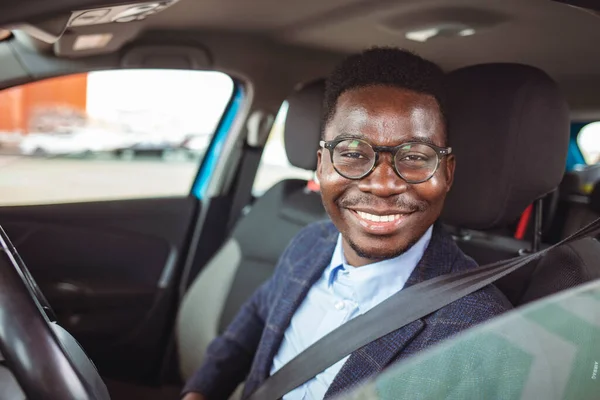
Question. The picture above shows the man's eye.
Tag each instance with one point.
(353, 154)
(414, 158)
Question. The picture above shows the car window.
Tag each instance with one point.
(274, 164)
(588, 141)
(546, 350)
(108, 135)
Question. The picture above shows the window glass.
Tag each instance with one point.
(588, 141)
(274, 164)
(107, 135)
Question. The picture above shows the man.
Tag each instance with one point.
(384, 169)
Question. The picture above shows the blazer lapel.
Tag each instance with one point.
(304, 273)
(375, 356)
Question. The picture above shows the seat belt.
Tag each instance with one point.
(406, 306)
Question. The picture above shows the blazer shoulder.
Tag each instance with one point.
(315, 238)
(476, 307)
(489, 300)
(313, 234)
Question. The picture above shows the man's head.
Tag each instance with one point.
(384, 97)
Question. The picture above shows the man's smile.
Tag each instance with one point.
(379, 223)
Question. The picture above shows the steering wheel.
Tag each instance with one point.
(46, 361)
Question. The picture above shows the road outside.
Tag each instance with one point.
(25, 180)
(28, 180)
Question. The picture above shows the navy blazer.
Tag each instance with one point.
(245, 351)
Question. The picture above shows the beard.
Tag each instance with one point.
(400, 202)
(379, 254)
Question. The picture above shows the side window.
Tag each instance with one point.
(274, 164)
(107, 135)
(588, 141)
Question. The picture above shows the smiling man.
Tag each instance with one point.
(384, 167)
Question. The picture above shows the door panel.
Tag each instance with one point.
(110, 271)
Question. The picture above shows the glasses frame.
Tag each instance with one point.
(440, 152)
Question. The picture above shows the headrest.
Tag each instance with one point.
(303, 125)
(508, 125)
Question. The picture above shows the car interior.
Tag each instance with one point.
(143, 285)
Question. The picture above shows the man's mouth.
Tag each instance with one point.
(379, 218)
(382, 223)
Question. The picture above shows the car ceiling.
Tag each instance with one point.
(539, 32)
(557, 38)
(560, 39)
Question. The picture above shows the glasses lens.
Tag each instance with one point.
(353, 158)
(416, 162)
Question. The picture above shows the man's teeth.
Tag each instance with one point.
(379, 218)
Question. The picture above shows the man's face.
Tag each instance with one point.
(383, 116)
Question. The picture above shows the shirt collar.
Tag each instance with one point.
(381, 270)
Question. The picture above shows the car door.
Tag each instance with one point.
(101, 197)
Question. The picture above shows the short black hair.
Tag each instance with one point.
(387, 66)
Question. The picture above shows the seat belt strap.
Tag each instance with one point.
(406, 306)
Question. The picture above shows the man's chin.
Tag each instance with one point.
(378, 251)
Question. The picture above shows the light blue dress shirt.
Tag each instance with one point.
(342, 293)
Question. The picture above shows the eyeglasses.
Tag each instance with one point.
(415, 162)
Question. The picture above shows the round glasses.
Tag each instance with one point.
(415, 162)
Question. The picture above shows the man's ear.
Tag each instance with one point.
(319, 163)
(450, 167)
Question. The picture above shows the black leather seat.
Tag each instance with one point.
(509, 128)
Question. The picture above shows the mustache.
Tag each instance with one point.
(402, 203)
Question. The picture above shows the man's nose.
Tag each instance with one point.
(383, 181)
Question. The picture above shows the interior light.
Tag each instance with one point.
(89, 42)
(446, 29)
(422, 35)
(467, 32)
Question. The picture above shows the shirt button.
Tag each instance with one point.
(345, 272)
(340, 305)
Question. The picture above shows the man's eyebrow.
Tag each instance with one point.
(350, 136)
(422, 139)
(419, 139)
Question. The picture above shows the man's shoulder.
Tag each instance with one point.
(310, 245)
(474, 308)
(317, 233)
(481, 304)
(462, 314)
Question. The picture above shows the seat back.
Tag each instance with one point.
(509, 128)
(250, 255)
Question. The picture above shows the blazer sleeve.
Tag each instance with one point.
(229, 356)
